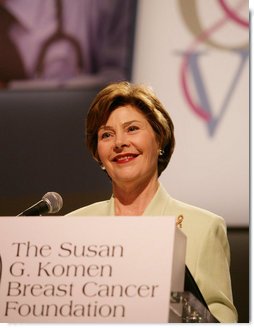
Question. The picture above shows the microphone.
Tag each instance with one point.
(51, 202)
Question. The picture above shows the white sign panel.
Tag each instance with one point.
(88, 269)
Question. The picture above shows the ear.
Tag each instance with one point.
(97, 159)
(159, 141)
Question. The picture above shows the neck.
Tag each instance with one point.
(133, 199)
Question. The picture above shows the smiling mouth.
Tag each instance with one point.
(121, 159)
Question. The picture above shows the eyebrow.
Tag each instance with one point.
(108, 127)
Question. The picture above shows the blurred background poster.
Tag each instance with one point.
(63, 43)
(195, 54)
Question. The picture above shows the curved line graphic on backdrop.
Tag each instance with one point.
(189, 12)
(203, 37)
(233, 14)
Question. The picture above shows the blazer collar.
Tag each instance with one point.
(159, 203)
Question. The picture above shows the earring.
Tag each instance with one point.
(161, 152)
(101, 165)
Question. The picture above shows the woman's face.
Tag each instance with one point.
(127, 146)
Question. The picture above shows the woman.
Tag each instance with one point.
(131, 136)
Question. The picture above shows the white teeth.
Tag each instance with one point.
(124, 157)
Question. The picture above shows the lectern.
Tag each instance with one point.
(90, 269)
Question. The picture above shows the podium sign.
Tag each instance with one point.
(89, 269)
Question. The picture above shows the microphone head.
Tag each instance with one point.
(54, 201)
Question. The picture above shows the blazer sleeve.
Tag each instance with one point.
(212, 272)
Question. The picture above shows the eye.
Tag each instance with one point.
(105, 135)
(132, 128)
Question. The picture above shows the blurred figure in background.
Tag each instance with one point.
(63, 42)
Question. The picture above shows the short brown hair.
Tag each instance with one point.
(143, 98)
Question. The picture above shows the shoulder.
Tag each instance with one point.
(199, 225)
(95, 209)
(194, 214)
(204, 230)
(194, 218)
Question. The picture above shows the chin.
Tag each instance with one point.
(125, 178)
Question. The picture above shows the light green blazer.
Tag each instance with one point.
(207, 253)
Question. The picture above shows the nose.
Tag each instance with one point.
(121, 142)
